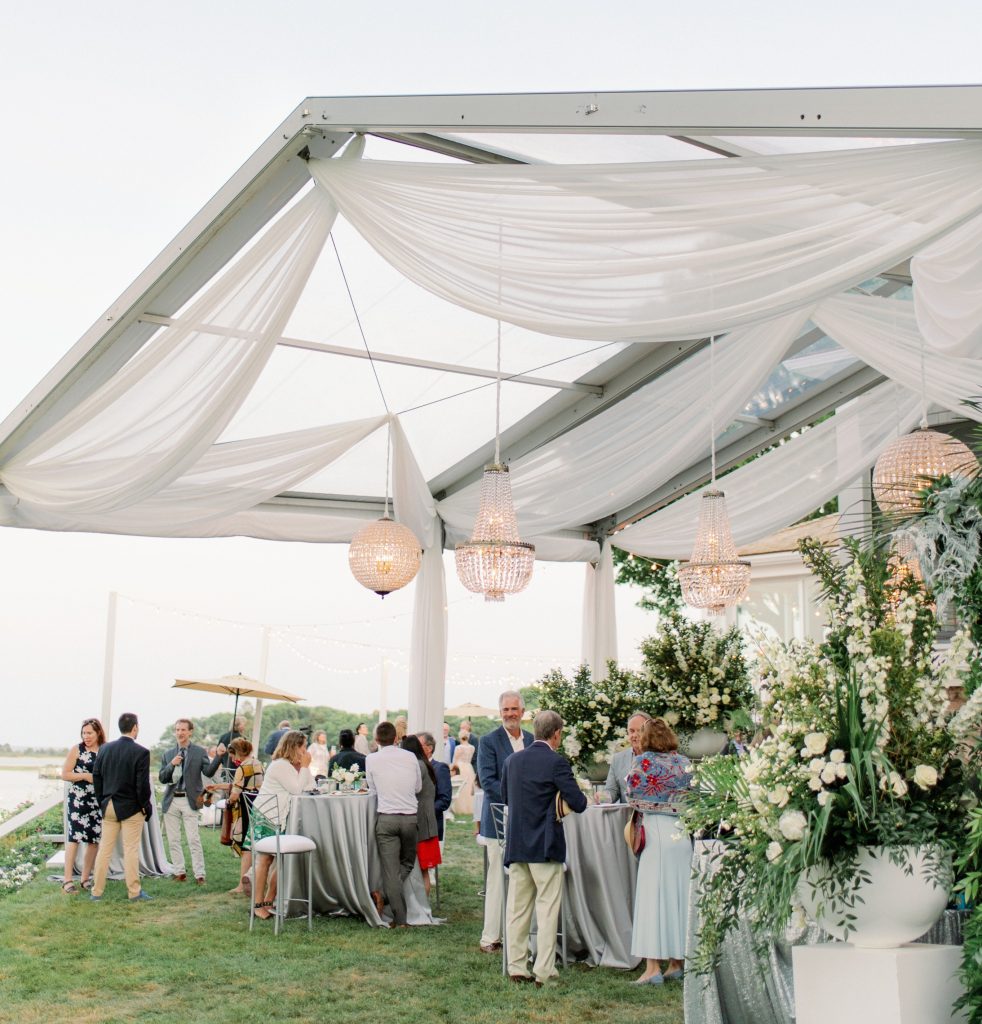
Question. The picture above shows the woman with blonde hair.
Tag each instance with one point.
(657, 784)
(287, 775)
(83, 813)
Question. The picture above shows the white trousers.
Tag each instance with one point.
(492, 896)
(537, 887)
(181, 811)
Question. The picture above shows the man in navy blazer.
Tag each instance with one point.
(532, 783)
(121, 779)
(494, 750)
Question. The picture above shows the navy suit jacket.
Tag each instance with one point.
(529, 785)
(494, 750)
(444, 793)
(122, 774)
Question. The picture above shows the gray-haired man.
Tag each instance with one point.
(620, 763)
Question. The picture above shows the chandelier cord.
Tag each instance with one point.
(712, 407)
(497, 380)
(361, 329)
(923, 389)
(388, 457)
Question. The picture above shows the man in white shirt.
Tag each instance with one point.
(393, 775)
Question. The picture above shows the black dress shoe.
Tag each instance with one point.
(522, 979)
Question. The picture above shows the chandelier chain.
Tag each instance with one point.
(712, 407)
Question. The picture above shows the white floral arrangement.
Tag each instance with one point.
(347, 776)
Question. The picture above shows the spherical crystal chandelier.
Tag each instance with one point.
(385, 555)
(714, 578)
(909, 464)
(495, 561)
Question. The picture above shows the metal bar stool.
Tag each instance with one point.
(279, 845)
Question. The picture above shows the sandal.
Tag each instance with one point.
(69, 888)
(264, 907)
(87, 884)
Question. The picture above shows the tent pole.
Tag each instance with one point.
(107, 670)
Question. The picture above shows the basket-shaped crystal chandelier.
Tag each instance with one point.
(714, 578)
(384, 556)
(909, 464)
(495, 562)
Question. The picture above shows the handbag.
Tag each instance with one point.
(634, 833)
(228, 818)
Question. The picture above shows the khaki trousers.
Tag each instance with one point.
(131, 829)
(181, 811)
(538, 887)
(492, 895)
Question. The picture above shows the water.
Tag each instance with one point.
(19, 780)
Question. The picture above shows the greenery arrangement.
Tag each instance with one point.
(693, 675)
(23, 853)
(659, 581)
(861, 751)
(595, 713)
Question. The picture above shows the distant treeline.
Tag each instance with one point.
(6, 750)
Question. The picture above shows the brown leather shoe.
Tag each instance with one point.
(200, 880)
(522, 979)
(180, 878)
(490, 947)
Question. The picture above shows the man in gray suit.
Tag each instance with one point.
(620, 763)
(180, 771)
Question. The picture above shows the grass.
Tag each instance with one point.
(189, 957)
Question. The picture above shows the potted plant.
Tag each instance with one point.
(696, 678)
(862, 769)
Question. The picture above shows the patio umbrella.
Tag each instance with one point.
(239, 686)
(471, 710)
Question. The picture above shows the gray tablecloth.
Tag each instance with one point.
(748, 989)
(346, 863)
(600, 879)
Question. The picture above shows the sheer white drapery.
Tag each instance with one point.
(153, 420)
(655, 433)
(599, 639)
(655, 252)
(789, 482)
(414, 507)
(948, 292)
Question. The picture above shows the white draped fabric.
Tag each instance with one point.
(655, 252)
(787, 483)
(599, 640)
(415, 508)
(655, 433)
(948, 296)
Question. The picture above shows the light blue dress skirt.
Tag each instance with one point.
(661, 901)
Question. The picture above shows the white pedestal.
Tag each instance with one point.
(841, 983)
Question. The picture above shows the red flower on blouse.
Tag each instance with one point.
(646, 764)
(633, 780)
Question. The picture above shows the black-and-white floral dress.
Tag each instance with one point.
(84, 815)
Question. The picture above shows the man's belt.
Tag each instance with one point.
(179, 792)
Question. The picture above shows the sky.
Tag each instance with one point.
(120, 121)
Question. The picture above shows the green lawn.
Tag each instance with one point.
(189, 957)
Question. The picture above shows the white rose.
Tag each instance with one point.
(779, 796)
(815, 783)
(897, 784)
(837, 756)
(925, 776)
(815, 743)
(672, 717)
(840, 771)
(792, 825)
(816, 765)
(824, 797)
(726, 698)
(774, 850)
(828, 774)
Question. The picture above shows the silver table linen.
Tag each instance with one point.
(599, 892)
(346, 863)
(748, 989)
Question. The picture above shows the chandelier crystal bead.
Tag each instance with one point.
(495, 561)
(384, 556)
(909, 464)
(714, 578)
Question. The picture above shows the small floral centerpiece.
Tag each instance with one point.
(861, 752)
(694, 676)
(347, 778)
(595, 714)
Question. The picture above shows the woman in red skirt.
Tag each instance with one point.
(427, 839)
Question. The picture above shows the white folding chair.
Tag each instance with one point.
(280, 845)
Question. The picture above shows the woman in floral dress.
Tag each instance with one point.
(83, 814)
(657, 784)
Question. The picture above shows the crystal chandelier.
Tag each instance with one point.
(384, 556)
(495, 561)
(714, 578)
(910, 463)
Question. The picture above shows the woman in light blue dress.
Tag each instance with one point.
(657, 783)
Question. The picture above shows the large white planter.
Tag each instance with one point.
(892, 908)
